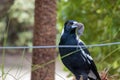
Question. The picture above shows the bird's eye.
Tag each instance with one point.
(70, 24)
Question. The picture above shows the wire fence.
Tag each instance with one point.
(35, 67)
(61, 46)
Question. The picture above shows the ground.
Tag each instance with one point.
(19, 68)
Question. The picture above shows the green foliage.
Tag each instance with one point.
(100, 18)
(101, 21)
(2, 28)
(24, 13)
(20, 21)
(22, 40)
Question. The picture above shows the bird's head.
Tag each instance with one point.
(73, 27)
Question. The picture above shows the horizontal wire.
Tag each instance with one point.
(54, 46)
(60, 46)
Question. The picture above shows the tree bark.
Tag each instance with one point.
(44, 34)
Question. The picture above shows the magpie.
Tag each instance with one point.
(76, 59)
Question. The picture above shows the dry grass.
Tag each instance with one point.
(105, 75)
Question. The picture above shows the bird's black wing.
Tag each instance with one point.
(89, 60)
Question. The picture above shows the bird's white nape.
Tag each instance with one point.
(62, 32)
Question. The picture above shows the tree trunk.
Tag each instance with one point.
(44, 34)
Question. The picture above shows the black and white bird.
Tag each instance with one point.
(79, 62)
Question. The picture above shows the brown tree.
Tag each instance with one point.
(44, 34)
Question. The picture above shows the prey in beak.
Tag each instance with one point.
(79, 28)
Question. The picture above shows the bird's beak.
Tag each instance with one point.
(79, 28)
(76, 24)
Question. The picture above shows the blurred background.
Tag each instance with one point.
(100, 18)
